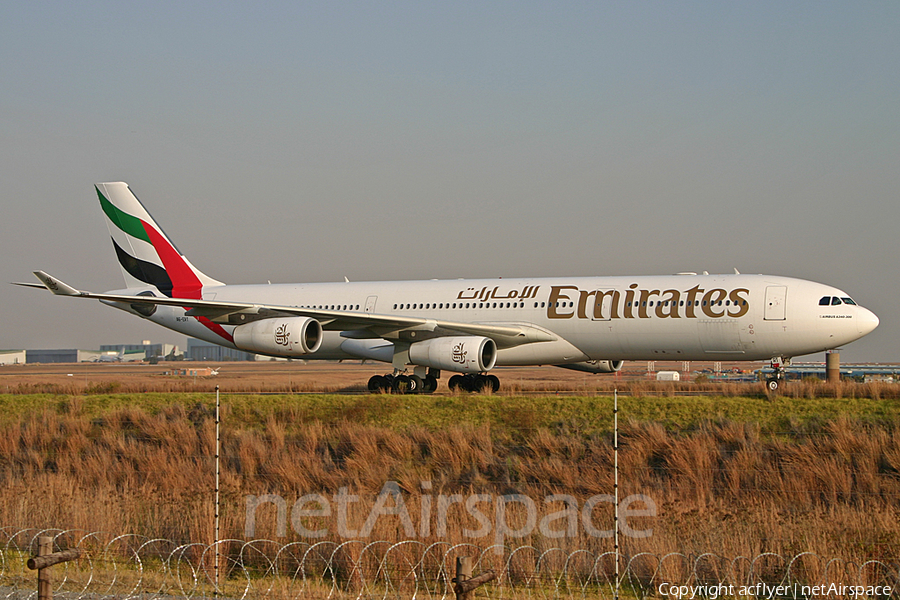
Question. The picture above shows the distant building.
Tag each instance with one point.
(12, 357)
(200, 350)
(62, 356)
(144, 351)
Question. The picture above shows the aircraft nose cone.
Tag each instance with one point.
(867, 321)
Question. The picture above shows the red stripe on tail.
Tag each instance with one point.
(185, 283)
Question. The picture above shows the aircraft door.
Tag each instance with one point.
(602, 308)
(370, 304)
(776, 295)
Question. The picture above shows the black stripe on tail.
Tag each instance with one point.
(144, 271)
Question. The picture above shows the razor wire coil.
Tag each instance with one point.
(129, 566)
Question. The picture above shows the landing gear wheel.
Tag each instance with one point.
(402, 384)
(779, 374)
(457, 383)
(482, 384)
(379, 384)
(471, 382)
(416, 385)
(430, 384)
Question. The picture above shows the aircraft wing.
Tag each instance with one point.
(351, 324)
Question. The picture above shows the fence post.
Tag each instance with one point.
(616, 482)
(463, 572)
(46, 559)
(45, 547)
(218, 471)
(465, 583)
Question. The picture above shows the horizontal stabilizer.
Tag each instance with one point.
(55, 285)
(36, 286)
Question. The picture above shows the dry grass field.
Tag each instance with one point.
(124, 448)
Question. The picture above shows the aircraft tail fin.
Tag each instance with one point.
(145, 253)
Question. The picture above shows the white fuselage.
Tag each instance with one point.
(679, 317)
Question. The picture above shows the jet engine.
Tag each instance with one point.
(289, 336)
(596, 366)
(460, 354)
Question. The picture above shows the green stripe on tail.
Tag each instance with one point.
(133, 226)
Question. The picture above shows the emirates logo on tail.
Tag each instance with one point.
(282, 335)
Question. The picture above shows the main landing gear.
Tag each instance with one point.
(400, 383)
(777, 378)
(474, 383)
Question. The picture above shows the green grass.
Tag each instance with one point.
(509, 415)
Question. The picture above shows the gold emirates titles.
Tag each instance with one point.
(568, 301)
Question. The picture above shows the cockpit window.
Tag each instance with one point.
(835, 301)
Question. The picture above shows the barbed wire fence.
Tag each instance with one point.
(131, 566)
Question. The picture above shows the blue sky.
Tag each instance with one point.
(313, 141)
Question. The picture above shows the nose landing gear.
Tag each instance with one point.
(777, 378)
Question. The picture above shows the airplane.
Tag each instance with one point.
(469, 327)
(122, 356)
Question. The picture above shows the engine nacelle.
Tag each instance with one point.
(596, 366)
(471, 354)
(286, 336)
